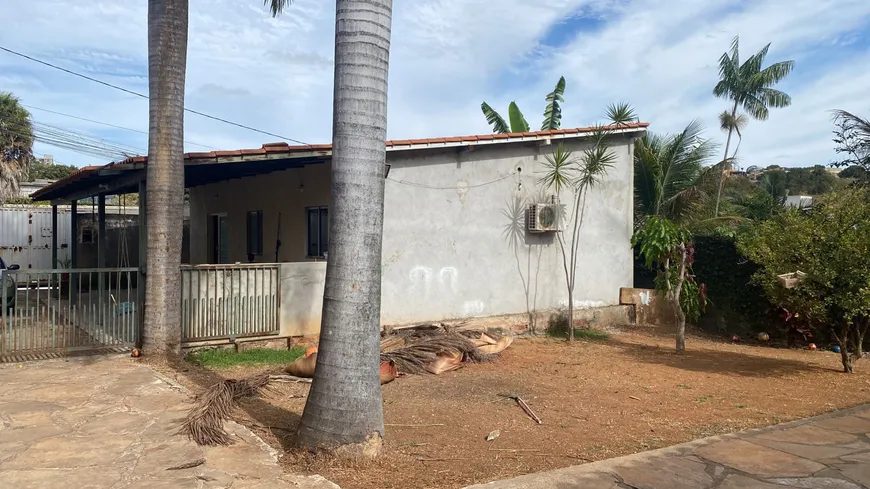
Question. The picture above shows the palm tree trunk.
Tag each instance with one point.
(727, 163)
(167, 63)
(344, 407)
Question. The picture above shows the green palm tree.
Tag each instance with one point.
(16, 144)
(749, 86)
(729, 122)
(670, 176)
(518, 123)
(344, 407)
(167, 64)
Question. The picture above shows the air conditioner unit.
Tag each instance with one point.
(544, 218)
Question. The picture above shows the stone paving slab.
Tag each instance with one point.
(826, 452)
(108, 423)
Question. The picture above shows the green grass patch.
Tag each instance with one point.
(581, 334)
(227, 357)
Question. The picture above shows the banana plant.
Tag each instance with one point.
(516, 120)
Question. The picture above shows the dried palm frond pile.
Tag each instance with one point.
(439, 349)
(419, 350)
(205, 422)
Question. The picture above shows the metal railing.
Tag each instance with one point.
(229, 301)
(68, 309)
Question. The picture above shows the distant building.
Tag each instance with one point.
(799, 201)
(26, 189)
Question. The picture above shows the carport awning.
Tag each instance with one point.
(123, 178)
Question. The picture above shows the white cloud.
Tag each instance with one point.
(447, 56)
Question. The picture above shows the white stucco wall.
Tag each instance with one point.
(455, 239)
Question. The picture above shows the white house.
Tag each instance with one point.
(456, 241)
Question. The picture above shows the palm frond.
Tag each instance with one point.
(277, 6)
(553, 112)
(755, 107)
(494, 119)
(854, 123)
(518, 121)
(621, 113)
(749, 84)
(732, 122)
(559, 169)
(776, 72)
(774, 98)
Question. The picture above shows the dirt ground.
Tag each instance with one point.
(597, 399)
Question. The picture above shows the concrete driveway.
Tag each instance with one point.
(827, 452)
(106, 422)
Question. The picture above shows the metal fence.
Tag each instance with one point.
(229, 301)
(68, 310)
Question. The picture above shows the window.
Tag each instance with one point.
(87, 235)
(255, 233)
(219, 240)
(318, 231)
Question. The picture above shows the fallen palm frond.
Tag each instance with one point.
(427, 349)
(434, 351)
(205, 422)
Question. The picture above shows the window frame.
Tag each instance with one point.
(322, 248)
(253, 218)
(215, 247)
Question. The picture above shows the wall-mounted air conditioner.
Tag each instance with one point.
(545, 218)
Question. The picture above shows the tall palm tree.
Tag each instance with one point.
(167, 64)
(749, 86)
(670, 176)
(518, 123)
(16, 144)
(344, 407)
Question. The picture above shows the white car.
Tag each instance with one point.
(8, 287)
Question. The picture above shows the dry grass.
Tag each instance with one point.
(597, 399)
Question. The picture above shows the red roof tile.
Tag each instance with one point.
(282, 147)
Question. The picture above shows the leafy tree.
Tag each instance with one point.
(749, 86)
(518, 123)
(16, 144)
(856, 172)
(167, 63)
(344, 407)
(830, 244)
(667, 248)
(577, 175)
(43, 170)
(852, 137)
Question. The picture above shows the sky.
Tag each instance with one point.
(447, 56)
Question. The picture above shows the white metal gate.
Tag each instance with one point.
(25, 236)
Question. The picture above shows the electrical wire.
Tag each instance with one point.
(74, 141)
(131, 92)
(109, 125)
(422, 185)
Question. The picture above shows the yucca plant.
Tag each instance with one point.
(563, 171)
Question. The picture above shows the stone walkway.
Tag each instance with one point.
(101, 423)
(826, 452)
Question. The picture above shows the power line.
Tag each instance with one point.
(430, 187)
(131, 92)
(74, 141)
(108, 125)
